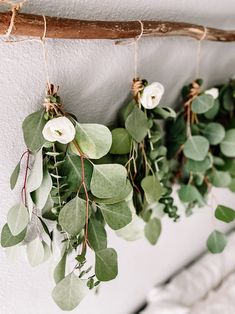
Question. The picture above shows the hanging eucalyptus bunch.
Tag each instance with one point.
(137, 143)
(68, 197)
(201, 149)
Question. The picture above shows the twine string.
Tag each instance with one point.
(198, 56)
(45, 54)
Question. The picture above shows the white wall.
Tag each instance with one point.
(94, 79)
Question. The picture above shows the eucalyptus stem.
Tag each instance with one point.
(57, 176)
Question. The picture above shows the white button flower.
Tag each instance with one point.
(59, 129)
(214, 92)
(152, 95)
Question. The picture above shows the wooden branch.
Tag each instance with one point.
(33, 25)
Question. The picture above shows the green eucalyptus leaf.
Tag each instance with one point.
(40, 196)
(47, 210)
(117, 198)
(232, 185)
(59, 272)
(152, 230)
(220, 178)
(137, 125)
(116, 215)
(32, 129)
(212, 113)
(94, 140)
(35, 252)
(36, 174)
(202, 103)
(72, 170)
(214, 132)
(69, 292)
(17, 219)
(14, 176)
(108, 180)
(216, 242)
(121, 141)
(198, 166)
(190, 194)
(152, 188)
(227, 146)
(106, 267)
(8, 239)
(72, 216)
(96, 235)
(196, 148)
(224, 213)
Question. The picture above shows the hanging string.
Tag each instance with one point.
(135, 42)
(45, 56)
(198, 56)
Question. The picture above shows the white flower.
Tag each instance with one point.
(214, 92)
(152, 95)
(59, 129)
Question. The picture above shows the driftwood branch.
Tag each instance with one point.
(33, 25)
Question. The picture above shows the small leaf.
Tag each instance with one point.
(106, 267)
(220, 178)
(224, 213)
(69, 292)
(202, 103)
(214, 132)
(36, 174)
(97, 235)
(14, 176)
(164, 112)
(35, 252)
(108, 180)
(94, 140)
(152, 230)
(72, 216)
(40, 196)
(8, 239)
(216, 242)
(137, 125)
(227, 146)
(152, 189)
(190, 194)
(198, 166)
(116, 215)
(59, 272)
(32, 129)
(17, 219)
(196, 147)
(212, 113)
(121, 141)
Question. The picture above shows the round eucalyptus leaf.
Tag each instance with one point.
(8, 239)
(94, 140)
(216, 242)
(152, 188)
(137, 125)
(224, 213)
(32, 129)
(59, 272)
(196, 147)
(220, 178)
(212, 113)
(69, 292)
(189, 194)
(202, 103)
(152, 230)
(72, 216)
(97, 236)
(17, 218)
(227, 146)
(121, 141)
(40, 196)
(106, 267)
(198, 166)
(108, 180)
(36, 174)
(214, 132)
(35, 252)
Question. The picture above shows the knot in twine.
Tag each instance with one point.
(50, 104)
(193, 93)
(137, 87)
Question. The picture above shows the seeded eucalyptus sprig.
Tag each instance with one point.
(137, 144)
(65, 182)
(201, 147)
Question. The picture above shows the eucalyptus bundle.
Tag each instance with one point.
(137, 143)
(67, 198)
(201, 149)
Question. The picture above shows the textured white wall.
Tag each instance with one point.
(94, 79)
